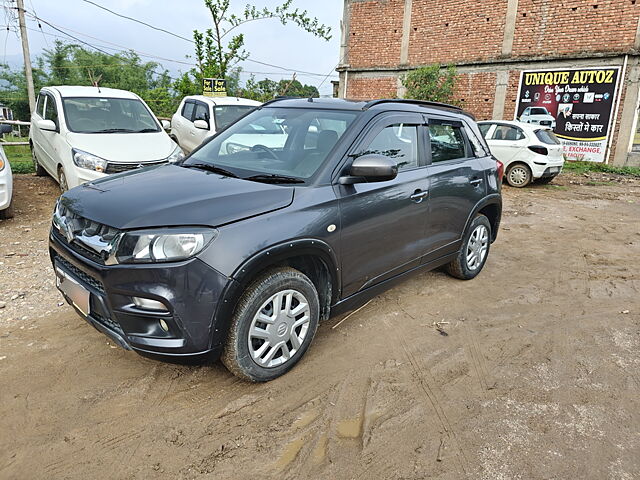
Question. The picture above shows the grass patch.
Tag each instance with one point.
(556, 187)
(19, 156)
(583, 167)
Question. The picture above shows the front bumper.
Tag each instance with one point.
(190, 290)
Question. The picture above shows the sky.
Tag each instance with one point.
(266, 41)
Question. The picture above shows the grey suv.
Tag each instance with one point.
(300, 210)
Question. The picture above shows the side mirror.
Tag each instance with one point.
(166, 125)
(201, 124)
(47, 125)
(370, 168)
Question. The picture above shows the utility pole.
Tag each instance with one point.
(27, 57)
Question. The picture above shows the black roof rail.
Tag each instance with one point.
(424, 103)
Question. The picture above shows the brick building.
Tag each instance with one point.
(491, 42)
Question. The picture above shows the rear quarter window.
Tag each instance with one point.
(548, 137)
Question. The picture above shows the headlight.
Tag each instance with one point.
(176, 156)
(88, 161)
(169, 245)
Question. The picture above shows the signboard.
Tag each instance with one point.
(576, 103)
(214, 87)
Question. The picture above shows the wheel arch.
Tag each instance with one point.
(490, 207)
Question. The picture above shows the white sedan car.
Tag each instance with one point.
(528, 152)
(79, 134)
(6, 187)
(538, 116)
(199, 117)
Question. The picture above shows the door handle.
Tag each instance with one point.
(419, 195)
(476, 181)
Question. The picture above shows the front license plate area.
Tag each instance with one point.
(73, 290)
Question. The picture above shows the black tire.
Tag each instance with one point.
(518, 175)
(236, 355)
(460, 268)
(545, 180)
(40, 171)
(7, 212)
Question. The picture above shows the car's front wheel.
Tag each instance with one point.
(62, 180)
(272, 326)
(474, 252)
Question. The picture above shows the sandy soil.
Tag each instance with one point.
(533, 374)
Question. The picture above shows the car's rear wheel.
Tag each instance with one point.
(40, 171)
(272, 326)
(518, 175)
(474, 252)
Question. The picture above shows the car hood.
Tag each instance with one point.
(170, 195)
(124, 147)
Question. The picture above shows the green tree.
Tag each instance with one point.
(218, 50)
(268, 89)
(433, 83)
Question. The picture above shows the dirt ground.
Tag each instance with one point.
(534, 373)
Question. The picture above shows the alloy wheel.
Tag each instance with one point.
(477, 247)
(279, 328)
(62, 181)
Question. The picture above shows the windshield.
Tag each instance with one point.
(227, 114)
(291, 142)
(108, 115)
(539, 111)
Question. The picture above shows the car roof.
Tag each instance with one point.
(405, 105)
(83, 91)
(224, 100)
(524, 126)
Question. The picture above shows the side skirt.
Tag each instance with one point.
(359, 298)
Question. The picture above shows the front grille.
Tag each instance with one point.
(78, 248)
(125, 167)
(80, 275)
(545, 122)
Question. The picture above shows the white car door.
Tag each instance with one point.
(505, 142)
(48, 139)
(182, 125)
(198, 135)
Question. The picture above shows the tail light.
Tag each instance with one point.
(539, 150)
(500, 169)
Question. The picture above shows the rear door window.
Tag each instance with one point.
(447, 142)
(187, 110)
(506, 132)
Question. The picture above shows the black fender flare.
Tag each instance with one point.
(247, 271)
(493, 199)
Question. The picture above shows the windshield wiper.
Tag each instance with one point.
(209, 167)
(116, 130)
(146, 130)
(274, 178)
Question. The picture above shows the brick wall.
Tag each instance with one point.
(565, 27)
(375, 33)
(475, 93)
(371, 88)
(451, 31)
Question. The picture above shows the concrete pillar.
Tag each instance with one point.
(502, 83)
(628, 122)
(509, 27)
(406, 32)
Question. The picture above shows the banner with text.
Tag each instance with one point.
(576, 103)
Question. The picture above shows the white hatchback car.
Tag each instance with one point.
(6, 187)
(528, 152)
(79, 134)
(199, 117)
(538, 116)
